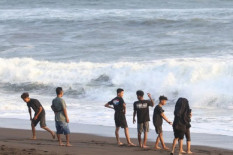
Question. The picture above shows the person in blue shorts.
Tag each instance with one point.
(61, 117)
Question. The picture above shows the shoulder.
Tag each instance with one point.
(136, 102)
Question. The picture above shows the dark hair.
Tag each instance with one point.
(59, 90)
(119, 90)
(162, 98)
(140, 93)
(181, 107)
(24, 95)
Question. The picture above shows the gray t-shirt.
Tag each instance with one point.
(59, 104)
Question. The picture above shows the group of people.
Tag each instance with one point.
(61, 116)
(181, 124)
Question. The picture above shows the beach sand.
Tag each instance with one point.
(17, 142)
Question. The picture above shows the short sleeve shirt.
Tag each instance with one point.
(142, 109)
(157, 118)
(60, 105)
(117, 103)
(35, 105)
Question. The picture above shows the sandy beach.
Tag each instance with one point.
(13, 141)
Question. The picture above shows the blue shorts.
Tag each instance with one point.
(62, 128)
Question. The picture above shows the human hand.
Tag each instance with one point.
(149, 95)
(134, 121)
(67, 120)
(35, 118)
(170, 123)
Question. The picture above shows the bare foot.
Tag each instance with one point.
(145, 147)
(68, 145)
(33, 138)
(166, 148)
(131, 144)
(120, 144)
(157, 148)
(189, 152)
(182, 152)
(61, 144)
(54, 135)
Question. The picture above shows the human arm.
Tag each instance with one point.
(152, 101)
(124, 108)
(38, 114)
(66, 115)
(30, 112)
(107, 105)
(134, 114)
(165, 118)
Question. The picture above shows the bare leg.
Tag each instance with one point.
(181, 146)
(162, 141)
(157, 143)
(117, 136)
(68, 140)
(189, 147)
(145, 140)
(174, 145)
(139, 140)
(33, 132)
(128, 138)
(59, 140)
(51, 132)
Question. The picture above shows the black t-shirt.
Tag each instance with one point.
(157, 118)
(142, 109)
(117, 103)
(35, 105)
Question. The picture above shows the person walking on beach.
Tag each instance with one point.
(158, 122)
(61, 117)
(119, 106)
(141, 109)
(181, 125)
(39, 115)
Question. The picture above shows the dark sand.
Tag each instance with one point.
(18, 142)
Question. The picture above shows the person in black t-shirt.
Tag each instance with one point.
(141, 109)
(158, 122)
(39, 115)
(119, 106)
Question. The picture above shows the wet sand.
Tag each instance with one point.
(14, 141)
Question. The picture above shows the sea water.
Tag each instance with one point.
(174, 48)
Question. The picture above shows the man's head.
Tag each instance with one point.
(120, 92)
(59, 91)
(140, 94)
(25, 97)
(163, 100)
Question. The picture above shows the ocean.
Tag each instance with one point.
(92, 47)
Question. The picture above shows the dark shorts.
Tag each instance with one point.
(120, 121)
(40, 119)
(179, 134)
(143, 127)
(62, 128)
(158, 129)
(187, 135)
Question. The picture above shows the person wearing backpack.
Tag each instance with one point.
(61, 117)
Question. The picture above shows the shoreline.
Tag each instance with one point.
(200, 139)
(15, 141)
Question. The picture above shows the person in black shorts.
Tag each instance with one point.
(39, 115)
(158, 122)
(141, 109)
(119, 106)
(181, 125)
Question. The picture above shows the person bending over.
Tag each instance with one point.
(39, 115)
